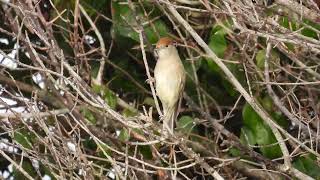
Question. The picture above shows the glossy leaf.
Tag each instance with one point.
(146, 152)
(250, 118)
(124, 21)
(235, 152)
(188, 66)
(149, 101)
(27, 166)
(247, 137)
(277, 116)
(124, 135)
(22, 139)
(89, 116)
(274, 59)
(261, 133)
(185, 124)
(107, 95)
(308, 31)
(110, 98)
(307, 164)
(218, 42)
(129, 113)
(103, 150)
(90, 144)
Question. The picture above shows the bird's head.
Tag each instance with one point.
(165, 47)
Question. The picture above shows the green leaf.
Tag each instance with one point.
(308, 165)
(235, 152)
(271, 151)
(124, 20)
(280, 119)
(161, 29)
(218, 44)
(103, 150)
(274, 59)
(107, 95)
(22, 139)
(27, 166)
(96, 88)
(238, 72)
(129, 113)
(267, 103)
(213, 66)
(110, 98)
(250, 118)
(247, 137)
(94, 6)
(89, 143)
(261, 133)
(276, 115)
(230, 88)
(284, 21)
(124, 135)
(139, 131)
(309, 32)
(149, 101)
(260, 58)
(146, 152)
(95, 66)
(186, 124)
(217, 41)
(88, 115)
(188, 66)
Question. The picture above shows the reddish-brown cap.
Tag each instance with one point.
(164, 42)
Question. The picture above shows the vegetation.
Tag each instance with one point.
(78, 100)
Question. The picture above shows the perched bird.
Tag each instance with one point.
(170, 78)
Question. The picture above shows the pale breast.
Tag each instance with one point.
(169, 81)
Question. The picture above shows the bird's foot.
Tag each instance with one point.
(161, 117)
(165, 133)
(166, 130)
(150, 80)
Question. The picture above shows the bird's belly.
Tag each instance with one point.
(168, 84)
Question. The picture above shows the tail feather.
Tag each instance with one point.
(170, 115)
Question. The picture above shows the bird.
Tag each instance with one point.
(170, 77)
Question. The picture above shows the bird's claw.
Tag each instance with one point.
(150, 80)
(164, 133)
(161, 117)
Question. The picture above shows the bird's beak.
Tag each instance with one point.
(175, 44)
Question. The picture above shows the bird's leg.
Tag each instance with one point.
(165, 128)
(171, 154)
(161, 117)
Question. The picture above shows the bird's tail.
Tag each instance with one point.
(169, 119)
(171, 115)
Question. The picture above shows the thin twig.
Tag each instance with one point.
(99, 77)
(256, 106)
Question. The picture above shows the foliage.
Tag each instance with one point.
(76, 100)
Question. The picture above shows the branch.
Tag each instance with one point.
(251, 100)
(300, 9)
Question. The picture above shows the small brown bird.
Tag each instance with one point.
(170, 78)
